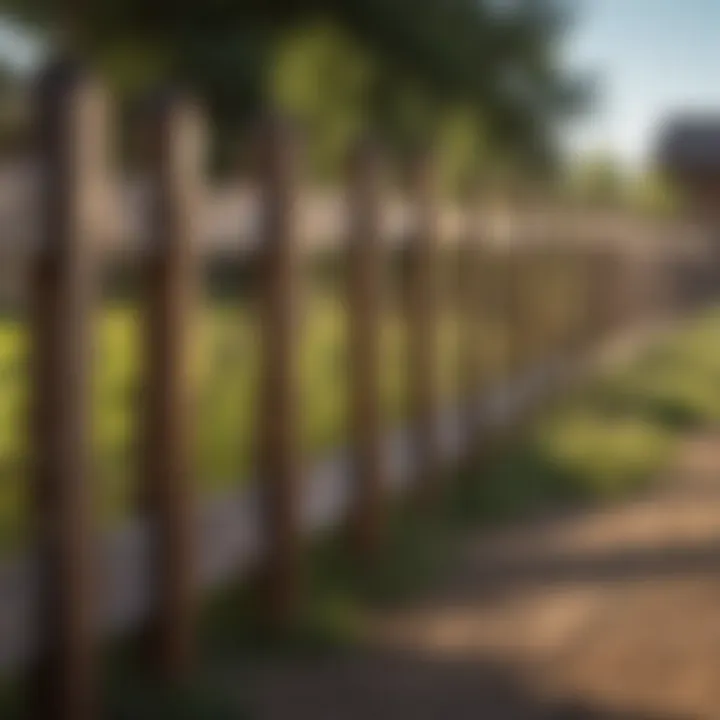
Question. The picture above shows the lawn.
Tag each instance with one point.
(605, 440)
(227, 360)
(608, 439)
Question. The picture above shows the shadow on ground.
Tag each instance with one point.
(599, 614)
(417, 689)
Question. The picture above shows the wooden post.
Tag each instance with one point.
(610, 284)
(176, 177)
(422, 326)
(624, 316)
(542, 284)
(592, 271)
(517, 327)
(569, 261)
(640, 287)
(72, 144)
(471, 308)
(364, 298)
(279, 452)
(579, 332)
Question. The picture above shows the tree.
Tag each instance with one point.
(473, 73)
(653, 192)
(598, 178)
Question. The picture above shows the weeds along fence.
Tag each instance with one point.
(526, 296)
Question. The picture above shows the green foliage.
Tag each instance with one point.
(227, 363)
(407, 68)
(598, 179)
(321, 77)
(654, 193)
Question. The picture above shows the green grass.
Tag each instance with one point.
(606, 441)
(603, 442)
(225, 372)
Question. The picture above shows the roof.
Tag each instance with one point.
(691, 144)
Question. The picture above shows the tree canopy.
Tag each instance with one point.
(483, 78)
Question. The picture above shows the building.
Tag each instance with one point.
(689, 152)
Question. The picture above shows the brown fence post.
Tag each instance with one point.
(72, 143)
(595, 302)
(504, 236)
(279, 452)
(175, 169)
(517, 311)
(364, 297)
(422, 326)
(611, 287)
(579, 330)
(471, 307)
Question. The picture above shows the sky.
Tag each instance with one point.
(653, 59)
(16, 48)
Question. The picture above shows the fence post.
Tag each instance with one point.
(504, 235)
(593, 303)
(472, 306)
(72, 117)
(610, 284)
(279, 452)
(578, 332)
(364, 298)
(422, 326)
(177, 144)
(517, 330)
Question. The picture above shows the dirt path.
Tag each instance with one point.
(613, 613)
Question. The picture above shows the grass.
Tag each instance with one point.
(606, 440)
(225, 371)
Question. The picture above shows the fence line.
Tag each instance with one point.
(59, 599)
(231, 219)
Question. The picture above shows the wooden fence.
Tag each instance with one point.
(75, 585)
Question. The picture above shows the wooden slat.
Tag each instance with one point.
(364, 299)
(279, 452)
(517, 311)
(589, 297)
(472, 298)
(422, 341)
(176, 171)
(72, 139)
(232, 216)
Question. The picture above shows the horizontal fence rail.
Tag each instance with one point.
(66, 215)
(231, 218)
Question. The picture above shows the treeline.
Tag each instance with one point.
(482, 78)
(599, 179)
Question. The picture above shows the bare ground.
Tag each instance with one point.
(607, 614)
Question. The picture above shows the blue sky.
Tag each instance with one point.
(16, 48)
(653, 58)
